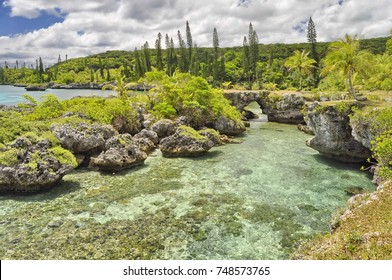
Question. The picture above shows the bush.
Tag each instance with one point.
(382, 152)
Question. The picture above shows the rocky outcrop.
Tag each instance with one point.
(83, 138)
(26, 166)
(228, 126)
(333, 138)
(147, 140)
(285, 108)
(241, 99)
(282, 108)
(120, 152)
(164, 128)
(185, 142)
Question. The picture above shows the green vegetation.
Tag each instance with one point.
(364, 235)
(190, 132)
(64, 156)
(301, 63)
(252, 66)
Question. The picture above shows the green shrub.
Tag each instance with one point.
(382, 152)
(164, 110)
(9, 157)
(64, 156)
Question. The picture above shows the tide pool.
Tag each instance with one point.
(254, 200)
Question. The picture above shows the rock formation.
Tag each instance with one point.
(120, 152)
(333, 137)
(185, 142)
(28, 166)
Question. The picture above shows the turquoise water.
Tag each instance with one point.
(10, 95)
(254, 200)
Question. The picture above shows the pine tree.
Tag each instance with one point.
(183, 58)
(59, 59)
(41, 66)
(189, 42)
(216, 65)
(312, 39)
(253, 51)
(138, 65)
(245, 57)
(169, 56)
(147, 58)
(158, 46)
(101, 70)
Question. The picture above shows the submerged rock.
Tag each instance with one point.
(333, 137)
(185, 142)
(26, 166)
(83, 138)
(121, 152)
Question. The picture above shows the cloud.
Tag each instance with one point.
(94, 26)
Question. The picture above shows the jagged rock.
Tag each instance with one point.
(286, 109)
(121, 152)
(241, 99)
(185, 142)
(228, 126)
(306, 129)
(211, 134)
(124, 125)
(83, 138)
(361, 133)
(30, 167)
(164, 128)
(147, 140)
(333, 134)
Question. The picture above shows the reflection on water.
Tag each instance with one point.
(255, 200)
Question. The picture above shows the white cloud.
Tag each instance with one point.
(93, 26)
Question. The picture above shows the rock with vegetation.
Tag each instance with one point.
(229, 126)
(362, 232)
(211, 134)
(121, 152)
(31, 164)
(285, 108)
(164, 128)
(333, 138)
(83, 138)
(185, 142)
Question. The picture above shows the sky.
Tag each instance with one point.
(49, 28)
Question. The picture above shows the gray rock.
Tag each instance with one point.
(333, 135)
(35, 169)
(185, 142)
(228, 126)
(164, 128)
(121, 152)
(83, 138)
(287, 110)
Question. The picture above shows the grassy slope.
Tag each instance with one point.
(365, 233)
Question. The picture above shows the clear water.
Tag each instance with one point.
(10, 95)
(254, 200)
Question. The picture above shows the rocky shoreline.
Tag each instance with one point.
(122, 145)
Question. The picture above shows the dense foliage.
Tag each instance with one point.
(253, 66)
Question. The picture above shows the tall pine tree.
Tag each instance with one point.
(312, 39)
(189, 42)
(182, 58)
(158, 47)
(147, 57)
(253, 52)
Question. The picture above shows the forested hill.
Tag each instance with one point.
(247, 65)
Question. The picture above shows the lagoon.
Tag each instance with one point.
(10, 95)
(255, 200)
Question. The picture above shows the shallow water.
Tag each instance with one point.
(10, 95)
(255, 200)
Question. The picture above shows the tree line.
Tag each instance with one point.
(252, 65)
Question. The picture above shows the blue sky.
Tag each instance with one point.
(20, 25)
(47, 28)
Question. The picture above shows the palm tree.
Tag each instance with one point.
(346, 58)
(300, 62)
